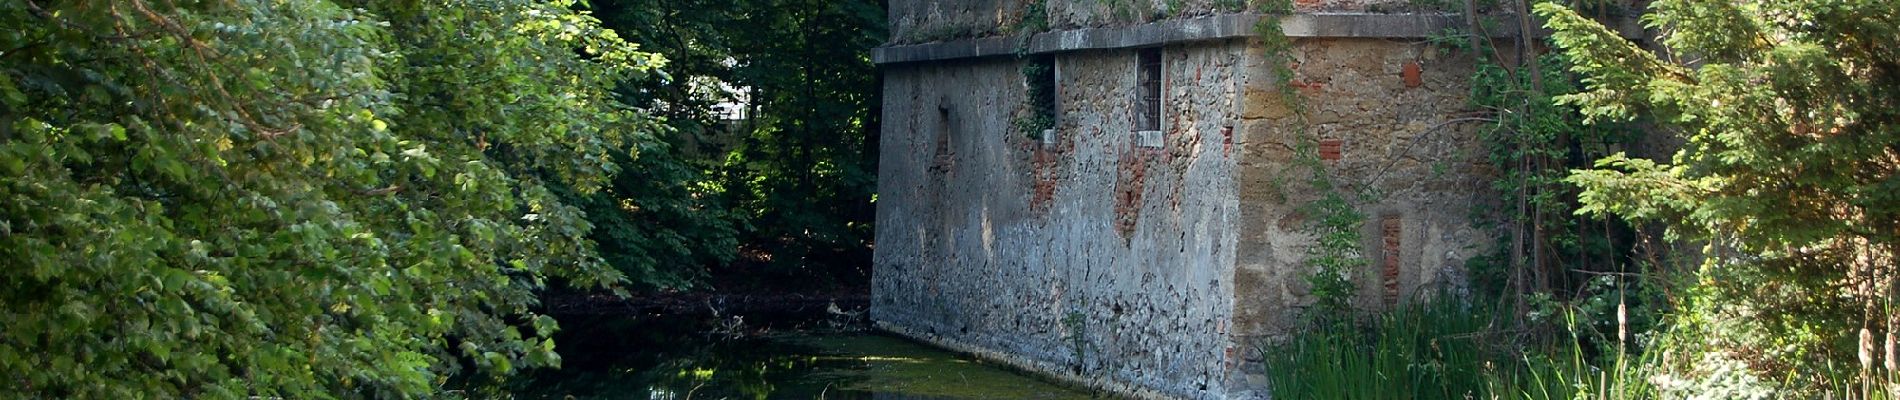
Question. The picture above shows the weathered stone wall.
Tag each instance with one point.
(925, 21)
(920, 21)
(1069, 14)
(1391, 111)
(1072, 14)
(1156, 270)
(1357, 6)
(1088, 257)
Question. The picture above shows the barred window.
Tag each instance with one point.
(1148, 94)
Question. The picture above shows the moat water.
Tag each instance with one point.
(670, 358)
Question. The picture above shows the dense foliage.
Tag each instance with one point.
(308, 199)
(1533, 142)
(1775, 278)
(1791, 115)
(773, 108)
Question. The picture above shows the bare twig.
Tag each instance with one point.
(205, 54)
(1408, 145)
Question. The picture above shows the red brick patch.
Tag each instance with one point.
(1411, 74)
(1045, 191)
(1046, 160)
(1130, 180)
(1227, 140)
(1309, 87)
(1329, 149)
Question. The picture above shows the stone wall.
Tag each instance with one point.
(1088, 257)
(1360, 5)
(1070, 14)
(920, 21)
(925, 21)
(1156, 271)
(1388, 111)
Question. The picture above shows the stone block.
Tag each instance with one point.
(1262, 103)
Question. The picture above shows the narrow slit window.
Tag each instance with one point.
(1148, 96)
(1040, 75)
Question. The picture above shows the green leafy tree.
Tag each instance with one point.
(307, 199)
(1788, 110)
(797, 174)
(656, 221)
(663, 222)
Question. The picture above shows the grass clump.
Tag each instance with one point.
(1427, 351)
(1453, 349)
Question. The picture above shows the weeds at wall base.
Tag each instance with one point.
(1454, 349)
(1447, 349)
(1560, 349)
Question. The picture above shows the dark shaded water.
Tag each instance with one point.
(654, 358)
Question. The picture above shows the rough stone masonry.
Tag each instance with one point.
(1153, 263)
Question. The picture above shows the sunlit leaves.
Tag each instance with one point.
(1790, 114)
(307, 199)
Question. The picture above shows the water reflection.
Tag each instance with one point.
(678, 359)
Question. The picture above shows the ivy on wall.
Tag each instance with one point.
(1336, 258)
(1039, 82)
(1038, 113)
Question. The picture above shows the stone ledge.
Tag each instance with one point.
(1218, 27)
(1171, 31)
(938, 51)
(1045, 370)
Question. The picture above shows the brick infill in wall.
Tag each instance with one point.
(1331, 149)
(1130, 184)
(1227, 140)
(1411, 75)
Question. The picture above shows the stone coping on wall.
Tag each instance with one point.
(1217, 27)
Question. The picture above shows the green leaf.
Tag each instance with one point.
(251, 230)
(545, 326)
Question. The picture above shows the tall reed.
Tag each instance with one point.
(1430, 351)
(1450, 350)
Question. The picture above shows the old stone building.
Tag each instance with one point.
(1149, 240)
